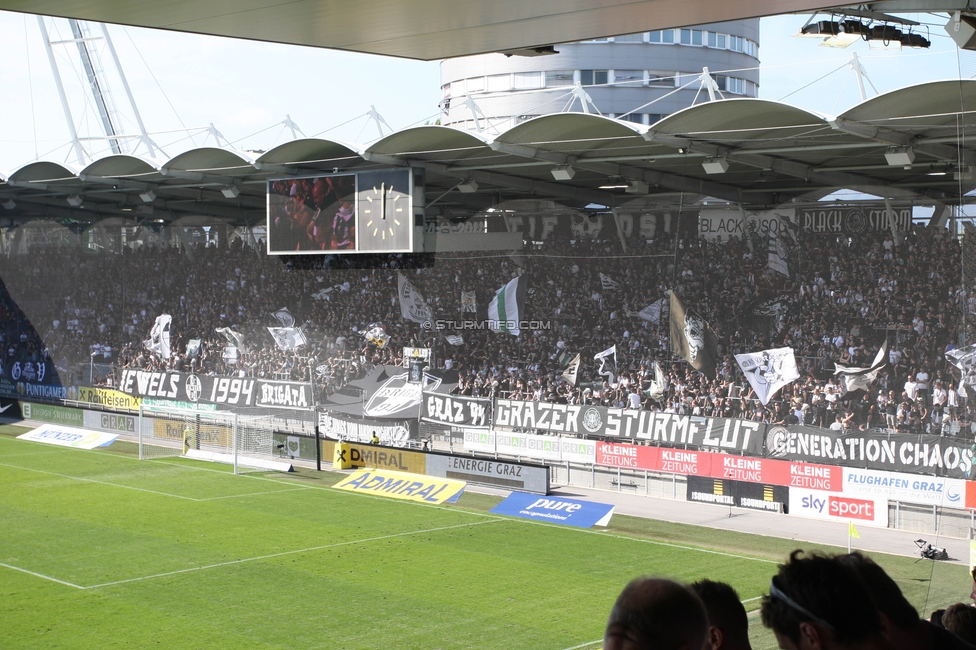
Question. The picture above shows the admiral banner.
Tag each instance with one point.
(914, 454)
(223, 391)
(393, 434)
(742, 436)
(401, 485)
(454, 410)
(575, 450)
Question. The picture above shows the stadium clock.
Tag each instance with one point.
(384, 211)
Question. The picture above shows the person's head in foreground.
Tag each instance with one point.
(658, 614)
(728, 623)
(816, 603)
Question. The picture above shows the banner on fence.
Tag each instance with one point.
(574, 450)
(224, 391)
(908, 488)
(108, 398)
(390, 433)
(455, 410)
(775, 498)
(513, 476)
(815, 504)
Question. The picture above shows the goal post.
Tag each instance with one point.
(243, 440)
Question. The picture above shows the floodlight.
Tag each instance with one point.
(230, 192)
(637, 187)
(75, 200)
(563, 172)
(468, 186)
(900, 156)
(148, 196)
(718, 165)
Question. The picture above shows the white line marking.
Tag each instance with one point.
(257, 494)
(284, 553)
(91, 480)
(41, 575)
(585, 645)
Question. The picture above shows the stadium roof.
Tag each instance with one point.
(761, 154)
(428, 29)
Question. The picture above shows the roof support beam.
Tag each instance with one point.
(887, 135)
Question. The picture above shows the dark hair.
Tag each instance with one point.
(660, 614)
(936, 618)
(818, 590)
(885, 591)
(960, 619)
(724, 608)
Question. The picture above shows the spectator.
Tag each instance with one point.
(960, 619)
(728, 623)
(656, 614)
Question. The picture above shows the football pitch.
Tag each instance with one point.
(101, 550)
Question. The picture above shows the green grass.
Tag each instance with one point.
(100, 550)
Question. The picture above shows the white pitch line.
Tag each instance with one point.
(41, 575)
(585, 645)
(91, 480)
(295, 552)
(257, 494)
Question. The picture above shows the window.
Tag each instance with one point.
(457, 88)
(629, 77)
(524, 80)
(499, 82)
(630, 38)
(696, 37)
(636, 118)
(721, 39)
(686, 37)
(476, 85)
(655, 117)
(592, 77)
(446, 91)
(657, 78)
(711, 39)
(654, 37)
(559, 78)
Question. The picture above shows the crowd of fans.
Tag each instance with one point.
(844, 296)
(813, 601)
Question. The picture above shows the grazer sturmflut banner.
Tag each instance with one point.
(900, 452)
(223, 391)
(692, 431)
(455, 410)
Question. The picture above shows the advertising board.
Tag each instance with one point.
(401, 485)
(559, 448)
(555, 510)
(62, 436)
(832, 506)
(55, 414)
(773, 498)
(114, 422)
(908, 488)
(108, 398)
(515, 476)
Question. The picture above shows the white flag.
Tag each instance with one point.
(855, 378)
(777, 259)
(376, 334)
(193, 347)
(288, 338)
(602, 358)
(652, 312)
(469, 301)
(284, 317)
(572, 370)
(965, 360)
(607, 283)
(768, 371)
(159, 336)
(454, 339)
(234, 338)
(659, 385)
(413, 307)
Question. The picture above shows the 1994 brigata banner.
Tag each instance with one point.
(224, 391)
(742, 436)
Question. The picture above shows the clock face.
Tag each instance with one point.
(384, 212)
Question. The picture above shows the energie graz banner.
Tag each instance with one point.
(900, 452)
(741, 436)
(224, 391)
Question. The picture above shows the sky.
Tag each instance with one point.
(246, 89)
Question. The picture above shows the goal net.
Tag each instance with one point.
(242, 440)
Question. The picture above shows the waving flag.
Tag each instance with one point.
(602, 358)
(692, 339)
(159, 336)
(284, 317)
(507, 307)
(768, 371)
(288, 338)
(234, 338)
(855, 378)
(413, 307)
(572, 369)
(965, 360)
(659, 385)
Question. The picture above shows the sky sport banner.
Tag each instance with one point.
(401, 485)
(741, 436)
(555, 510)
(223, 391)
(455, 410)
(914, 454)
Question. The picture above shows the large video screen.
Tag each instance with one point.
(341, 213)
